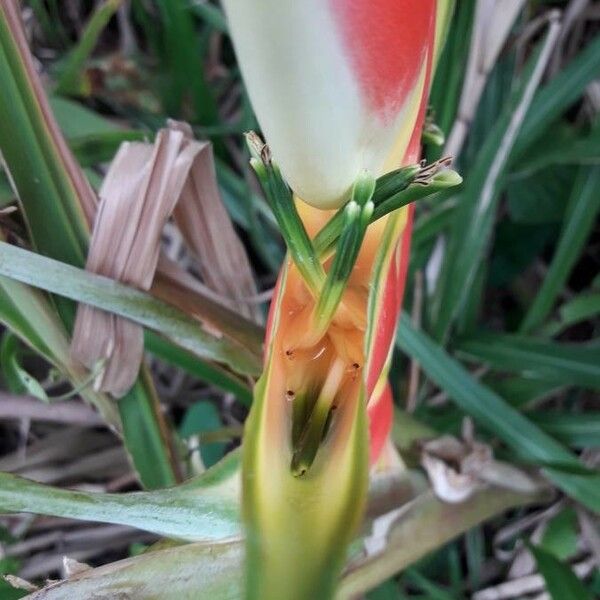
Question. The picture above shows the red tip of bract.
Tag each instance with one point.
(381, 416)
(387, 41)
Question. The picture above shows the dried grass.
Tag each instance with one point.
(145, 184)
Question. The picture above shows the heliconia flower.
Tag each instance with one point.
(338, 86)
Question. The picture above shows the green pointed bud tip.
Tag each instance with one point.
(259, 168)
(432, 134)
(367, 212)
(447, 178)
(411, 171)
(364, 187)
(309, 441)
(351, 212)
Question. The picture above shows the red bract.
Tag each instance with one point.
(387, 49)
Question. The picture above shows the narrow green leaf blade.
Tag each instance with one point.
(52, 190)
(107, 294)
(561, 582)
(205, 508)
(583, 208)
(558, 95)
(563, 363)
(68, 81)
(493, 413)
(474, 218)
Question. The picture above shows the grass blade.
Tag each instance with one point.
(111, 296)
(58, 203)
(205, 508)
(180, 54)
(564, 364)
(474, 218)
(31, 316)
(210, 372)
(561, 582)
(495, 415)
(69, 82)
(583, 207)
(557, 96)
(580, 430)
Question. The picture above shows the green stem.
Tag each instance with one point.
(357, 214)
(281, 200)
(392, 191)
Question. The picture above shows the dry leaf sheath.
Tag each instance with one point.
(144, 185)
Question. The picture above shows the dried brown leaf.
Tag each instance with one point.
(210, 234)
(458, 468)
(145, 184)
(136, 199)
(20, 584)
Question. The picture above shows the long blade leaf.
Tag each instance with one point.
(112, 296)
(493, 413)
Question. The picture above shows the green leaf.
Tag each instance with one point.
(581, 214)
(181, 64)
(579, 430)
(213, 571)
(69, 80)
(54, 193)
(558, 95)
(212, 15)
(549, 188)
(450, 71)
(433, 591)
(250, 211)
(474, 217)
(17, 378)
(494, 414)
(204, 508)
(562, 363)
(7, 196)
(580, 308)
(189, 572)
(8, 592)
(49, 199)
(92, 138)
(429, 224)
(146, 437)
(206, 371)
(521, 391)
(561, 582)
(386, 591)
(560, 536)
(561, 145)
(112, 296)
(76, 120)
(29, 314)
